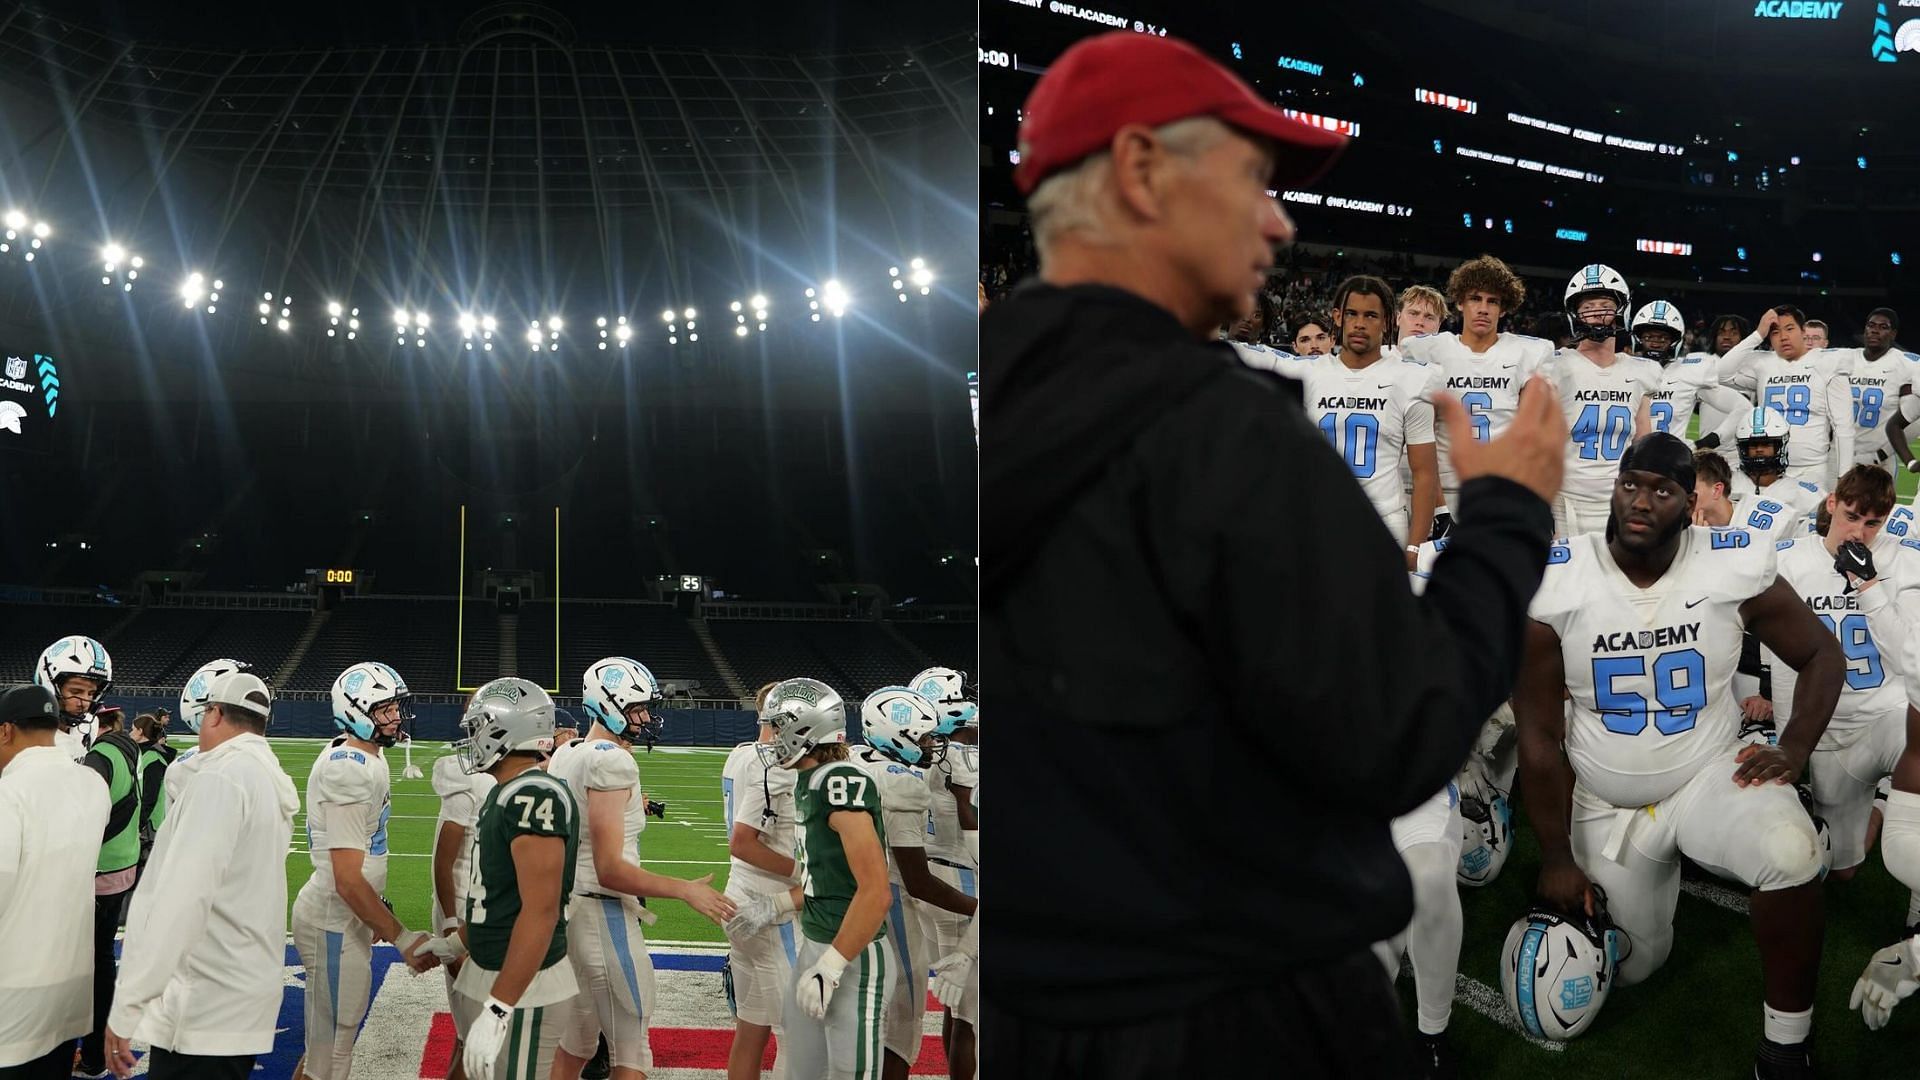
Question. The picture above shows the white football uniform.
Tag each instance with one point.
(756, 790)
(1671, 405)
(1487, 383)
(947, 856)
(461, 794)
(1602, 406)
(1876, 388)
(1371, 415)
(1782, 510)
(1869, 725)
(349, 799)
(604, 940)
(903, 809)
(1652, 730)
(1814, 394)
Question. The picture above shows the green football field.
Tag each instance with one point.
(691, 842)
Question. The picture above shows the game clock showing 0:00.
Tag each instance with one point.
(335, 577)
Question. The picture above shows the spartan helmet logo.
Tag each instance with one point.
(10, 416)
(16, 368)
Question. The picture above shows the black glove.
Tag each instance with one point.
(1854, 560)
(1709, 441)
(657, 809)
(1442, 525)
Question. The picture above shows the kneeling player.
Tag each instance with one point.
(604, 941)
(1869, 727)
(1640, 628)
(842, 900)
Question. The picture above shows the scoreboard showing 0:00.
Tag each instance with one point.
(339, 577)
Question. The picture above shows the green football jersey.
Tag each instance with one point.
(531, 804)
(824, 873)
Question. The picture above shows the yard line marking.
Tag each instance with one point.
(1492, 1004)
(1716, 894)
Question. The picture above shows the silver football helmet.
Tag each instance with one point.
(803, 714)
(506, 715)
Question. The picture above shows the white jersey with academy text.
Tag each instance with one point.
(1782, 510)
(1681, 381)
(754, 789)
(1711, 416)
(1870, 691)
(1876, 393)
(960, 769)
(461, 794)
(1601, 404)
(349, 799)
(1487, 383)
(903, 802)
(1814, 394)
(1371, 415)
(600, 765)
(1650, 671)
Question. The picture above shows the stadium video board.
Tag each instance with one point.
(29, 401)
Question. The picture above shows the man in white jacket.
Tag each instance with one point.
(201, 970)
(51, 818)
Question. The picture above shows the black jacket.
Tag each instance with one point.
(1200, 650)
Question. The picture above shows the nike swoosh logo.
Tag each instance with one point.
(1384, 386)
(1893, 960)
(1690, 603)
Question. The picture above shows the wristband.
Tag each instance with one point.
(831, 962)
(1413, 549)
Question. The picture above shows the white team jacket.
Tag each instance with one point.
(202, 968)
(52, 812)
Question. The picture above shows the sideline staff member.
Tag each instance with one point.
(52, 813)
(1185, 592)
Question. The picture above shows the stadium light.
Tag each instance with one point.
(813, 305)
(194, 289)
(283, 325)
(114, 254)
(623, 332)
(533, 335)
(16, 223)
(740, 331)
(835, 298)
(554, 324)
(666, 316)
(921, 277)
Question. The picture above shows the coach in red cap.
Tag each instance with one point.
(1196, 628)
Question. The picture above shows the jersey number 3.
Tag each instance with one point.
(1679, 688)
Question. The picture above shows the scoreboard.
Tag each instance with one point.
(29, 400)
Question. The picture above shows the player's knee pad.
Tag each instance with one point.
(1900, 838)
(1789, 853)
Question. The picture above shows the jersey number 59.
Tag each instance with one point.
(1679, 688)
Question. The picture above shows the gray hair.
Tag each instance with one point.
(1069, 200)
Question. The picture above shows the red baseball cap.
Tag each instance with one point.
(1104, 83)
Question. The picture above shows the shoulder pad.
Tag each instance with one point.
(610, 772)
(543, 790)
(449, 778)
(344, 779)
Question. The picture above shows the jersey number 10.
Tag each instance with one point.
(1358, 440)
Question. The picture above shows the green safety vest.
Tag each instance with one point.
(117, 759)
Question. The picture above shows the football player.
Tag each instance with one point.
(900, 730)
(339, 913)
(757, 796)
(513, 936)
(604, 939)
(1660, 335)
(1607, 396)
(1482, 366)
(77, 671)
(1810, 388)
(1629, 742)
(461, 795)
(1313, 336)
(953, 851)
(1371, 409)
(1869, 726)
(843, 902)
(1779, 507)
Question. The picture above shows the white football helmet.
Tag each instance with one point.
(1486, 837)
(1557, 971)
(1596, 279)
(947, 689)
(193, 696)
(360, 690)
(612, 686)
(1660, 315)
(803, 713)
(902, 725)
(1758, 427)
(73, 656)
(506, 715)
